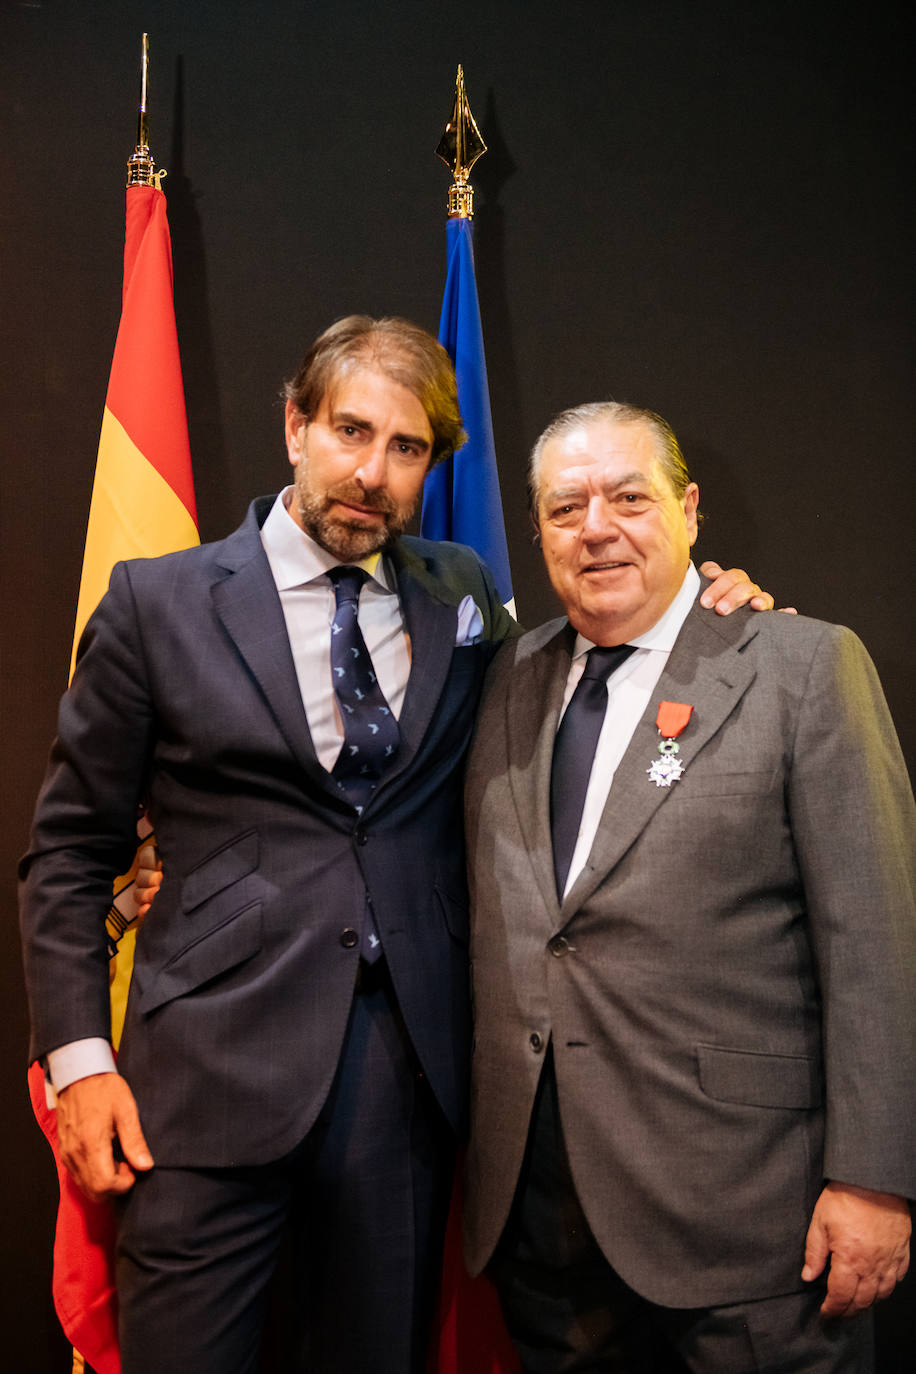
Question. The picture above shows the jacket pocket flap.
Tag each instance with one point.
(759, 1080)
(728, 784)
(207, 957)
(455, 914)
(220, 870)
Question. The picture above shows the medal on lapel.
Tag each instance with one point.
(671, 720)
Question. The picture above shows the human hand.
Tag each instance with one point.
(866, 1237)
(149, 878)
(732, 589)
(91, 1114)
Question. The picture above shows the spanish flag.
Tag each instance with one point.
(143, 496)
(142, 505)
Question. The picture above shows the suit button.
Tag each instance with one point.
(349, 938)
(559, 946)
(535, 1041)
(361, 837)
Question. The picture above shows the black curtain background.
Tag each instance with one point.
(701, 207)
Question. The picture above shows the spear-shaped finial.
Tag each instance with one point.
(140, 167)
(459, 148)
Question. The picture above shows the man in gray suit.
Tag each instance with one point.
(694, 953)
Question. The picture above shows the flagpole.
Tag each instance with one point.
(140, 165)
(461, 498)
(459, 148)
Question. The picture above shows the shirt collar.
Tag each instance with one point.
(667, 628)
(296, 559)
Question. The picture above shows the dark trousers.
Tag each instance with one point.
(569, 1312)
(359, 1209)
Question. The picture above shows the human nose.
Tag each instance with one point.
(373, 468)
(599, 524)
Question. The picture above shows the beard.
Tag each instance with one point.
(349, 540)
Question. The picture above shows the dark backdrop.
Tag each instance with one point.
(703, 207)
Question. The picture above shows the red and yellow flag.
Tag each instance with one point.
(142, 505)
(143, 495)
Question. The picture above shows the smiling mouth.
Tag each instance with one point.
(606, 567)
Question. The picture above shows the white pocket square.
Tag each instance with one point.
(470, 623)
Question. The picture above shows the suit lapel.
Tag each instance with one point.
(532, 710)
(706, 669)
(247, 604)
(431, 621)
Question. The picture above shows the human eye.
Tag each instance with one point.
(564, 512)
(633, 502)
(409, 451)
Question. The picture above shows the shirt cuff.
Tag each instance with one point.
(79, 1059)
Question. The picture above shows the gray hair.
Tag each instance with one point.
(667, 448)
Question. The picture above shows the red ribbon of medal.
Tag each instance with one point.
(672, 718)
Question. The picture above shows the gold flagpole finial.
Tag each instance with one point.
(141, 167)
(459, 148)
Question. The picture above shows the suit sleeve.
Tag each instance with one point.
(84, 830)
(853, 825)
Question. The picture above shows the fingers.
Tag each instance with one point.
(732, 589)
(148, 879)
(817, 1248)
(849, 1292)
(130, 1135)
(91, 1114)
(760, 601)
(866, 1236)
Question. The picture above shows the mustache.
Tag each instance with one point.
(354, 493)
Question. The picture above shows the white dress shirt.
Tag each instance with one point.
(300, 570)
(629, 690)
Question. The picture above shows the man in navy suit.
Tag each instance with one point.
(297, 1030)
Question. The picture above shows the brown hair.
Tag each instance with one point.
(402, 351)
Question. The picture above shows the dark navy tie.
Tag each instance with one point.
(371, 734)
(574, 754)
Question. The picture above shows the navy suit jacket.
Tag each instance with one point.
(185, 698)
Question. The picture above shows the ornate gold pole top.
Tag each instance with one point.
(140, 167)
(459, 148)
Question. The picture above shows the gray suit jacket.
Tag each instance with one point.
(185, 694)
(732, 1010)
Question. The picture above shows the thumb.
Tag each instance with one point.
(817, 1250)
(130, 1136)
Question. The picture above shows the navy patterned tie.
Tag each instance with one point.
(574, 754)
(371, 734)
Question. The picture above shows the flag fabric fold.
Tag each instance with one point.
(461, 498)
(142, 505)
